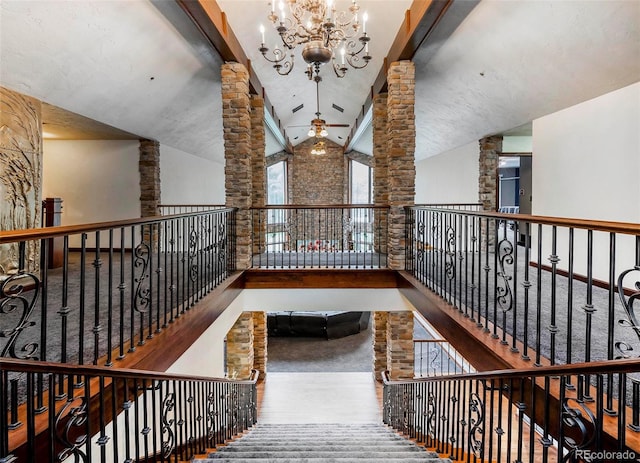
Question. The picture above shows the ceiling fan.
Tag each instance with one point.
(319, 126)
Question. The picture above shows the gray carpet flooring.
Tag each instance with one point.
(313, 354)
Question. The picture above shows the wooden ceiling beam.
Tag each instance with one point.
(419, 22)
(212, 22)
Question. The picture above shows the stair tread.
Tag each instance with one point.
(325, 460)
(324, 443)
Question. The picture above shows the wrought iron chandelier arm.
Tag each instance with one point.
(353, 58)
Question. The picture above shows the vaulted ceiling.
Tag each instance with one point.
(144, 68)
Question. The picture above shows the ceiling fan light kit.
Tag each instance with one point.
(322, 29)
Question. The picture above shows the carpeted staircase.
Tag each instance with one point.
(324, 443)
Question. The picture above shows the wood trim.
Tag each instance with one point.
(13, 236)
(212, 23)
(322, 206)
(626, 228)
(319, 278)
(419, 22)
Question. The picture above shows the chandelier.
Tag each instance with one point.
(318, 148)
(321, 30)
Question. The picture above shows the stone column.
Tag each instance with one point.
(258, 171)
(401, 133)
(379, 344)
(149, 168)
(489, 158)
(400, 355)
(236, 122)
(490, 151)
(20, 175)
(260, 343)
(240, 347)
(381, 164)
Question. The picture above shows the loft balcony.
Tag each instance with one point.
(507, 291)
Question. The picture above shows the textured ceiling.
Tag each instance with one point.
(142, 67)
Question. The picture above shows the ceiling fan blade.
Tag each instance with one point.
(337, 125)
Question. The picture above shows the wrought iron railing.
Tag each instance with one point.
(554, 290)
(437, 357)
(342, 236)
(173, 209)
(110, 286)
(540, 414)
(119, 415)
(456, 206)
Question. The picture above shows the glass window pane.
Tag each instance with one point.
(360, 183)
(276, 183)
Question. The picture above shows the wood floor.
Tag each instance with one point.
(319, 398)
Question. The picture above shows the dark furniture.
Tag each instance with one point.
(330, 325)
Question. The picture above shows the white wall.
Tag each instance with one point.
(585, 165)
(98, 180)
(516, 144)
(450, 177)
(189, 179)
(587, 159)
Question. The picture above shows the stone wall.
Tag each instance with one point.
(20, 174)
(317, 179)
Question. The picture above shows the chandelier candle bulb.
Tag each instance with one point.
(262, 33)
(364, 23)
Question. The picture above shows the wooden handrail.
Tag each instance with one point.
(610, 366)
(596, 225)
(322, 206)
(34, 366)
(13, 236)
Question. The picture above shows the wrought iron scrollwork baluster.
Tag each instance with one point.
(13, 299)
(476, 425)
(631, 321)
(142, 300)
(71, 418)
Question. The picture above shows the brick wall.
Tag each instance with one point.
(317, 179)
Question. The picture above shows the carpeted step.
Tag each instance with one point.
(326, 443)
(325, 460)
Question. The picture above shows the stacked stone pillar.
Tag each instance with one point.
(400, 353)
(260, 343)
(236, 122)
(381, 164)
(240, 350)
(379, 343)
(489, 158)
(401, 133)
(258, 171)
(149, 168)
